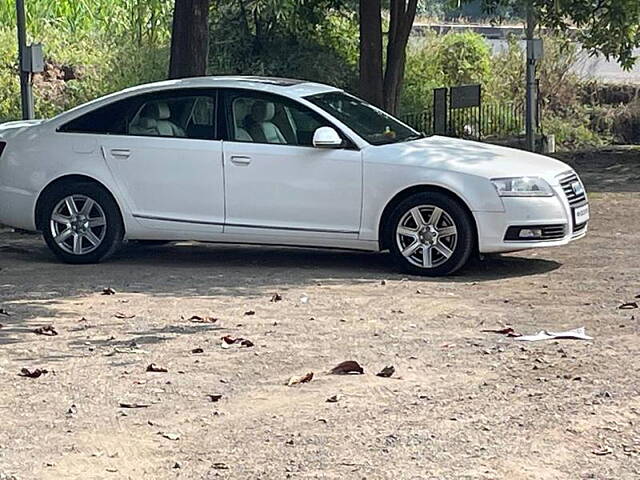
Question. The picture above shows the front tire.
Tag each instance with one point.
(430, 234)
(81, 223)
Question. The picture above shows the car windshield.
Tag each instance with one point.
(371, 123)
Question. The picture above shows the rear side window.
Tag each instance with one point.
(108, 120)
(176, 113)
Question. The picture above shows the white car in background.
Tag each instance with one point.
(275, 161)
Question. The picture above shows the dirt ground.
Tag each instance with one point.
(462, 404)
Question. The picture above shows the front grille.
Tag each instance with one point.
(549, 232)
(575, 199)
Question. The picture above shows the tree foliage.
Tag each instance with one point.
(609, 27)
(308, 39)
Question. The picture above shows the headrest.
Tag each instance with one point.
(263, 111)
(156, 110)
(147, 123)
(240, 111)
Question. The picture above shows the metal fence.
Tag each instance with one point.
(487, 120)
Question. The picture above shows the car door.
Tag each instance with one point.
(167, 161)
(276, 182)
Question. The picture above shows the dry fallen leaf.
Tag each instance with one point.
(508, 331)
(48, 330)
(386, 372)
(199, 319)
(602, 452)
(229, 340)
(108, 291)
(628, 306)
(346, 368)
(134, 405)
(306, 378)
(155, 368)
(25, 372)
(123, 316)
(276, 297)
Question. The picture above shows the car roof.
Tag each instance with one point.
(283, 86)
(286, 86)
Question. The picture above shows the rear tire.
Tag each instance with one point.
(430, 234)
(81, 223)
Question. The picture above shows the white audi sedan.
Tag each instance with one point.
(275, 161)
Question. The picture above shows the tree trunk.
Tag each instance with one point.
(189, 39)
(402, 15)
(371, 81)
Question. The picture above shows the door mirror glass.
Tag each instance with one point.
(327, 137)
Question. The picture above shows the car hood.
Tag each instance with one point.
(475, 158)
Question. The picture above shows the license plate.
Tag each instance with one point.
(581, 214)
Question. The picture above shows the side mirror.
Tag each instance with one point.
(327, 137)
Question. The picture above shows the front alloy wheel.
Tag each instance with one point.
(430, 234)
(427, 236)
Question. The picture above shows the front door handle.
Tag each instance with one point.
(240, 160)
(121, 152)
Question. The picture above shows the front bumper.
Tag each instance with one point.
(531, 211)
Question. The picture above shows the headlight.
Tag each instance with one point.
(522, 187)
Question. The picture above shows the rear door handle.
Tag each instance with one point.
(240, 160)
(121, 152)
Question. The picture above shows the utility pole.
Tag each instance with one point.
(533, 53)
(26, 94)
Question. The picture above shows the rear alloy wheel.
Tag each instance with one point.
(78, 225)
(83, 223)
(430, 234)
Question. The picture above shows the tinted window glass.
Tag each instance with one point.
(185, 114)
(372, 124)
(110, 119)
(260, 118)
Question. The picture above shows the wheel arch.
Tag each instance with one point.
(406, 193)
(67, 180)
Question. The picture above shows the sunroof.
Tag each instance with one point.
(283, 82)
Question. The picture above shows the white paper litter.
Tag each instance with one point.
(575, 334)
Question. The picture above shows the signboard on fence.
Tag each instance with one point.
(465, 96)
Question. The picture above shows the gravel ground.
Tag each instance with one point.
(462, 403)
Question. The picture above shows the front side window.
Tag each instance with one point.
(259, 118)
(164, 114)
(372, 124)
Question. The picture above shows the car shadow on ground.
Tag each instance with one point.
(257, 265)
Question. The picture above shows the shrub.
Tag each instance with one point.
(440, 61)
